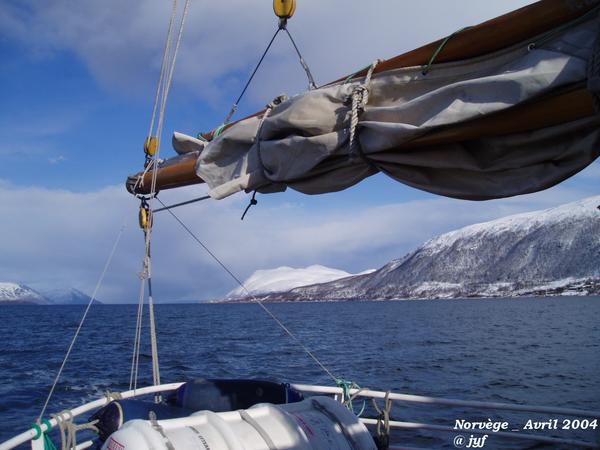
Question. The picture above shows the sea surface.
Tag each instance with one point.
(542, 351)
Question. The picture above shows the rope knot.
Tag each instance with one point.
(360, 98)
(113, 396)
(348, 397)
(383, 422)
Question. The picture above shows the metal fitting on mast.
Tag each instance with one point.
(284, 9)
(145, 216)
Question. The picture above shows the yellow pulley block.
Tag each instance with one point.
(151, 146)
(145, 218)
(284, 9)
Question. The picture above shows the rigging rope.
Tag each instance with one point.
(256, 300)
(163, 66)
(87, 309)
(138, 336)
(311, 80)
(163, 88)
(176, 205)
(237, 102)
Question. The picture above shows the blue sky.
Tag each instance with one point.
(77, 82)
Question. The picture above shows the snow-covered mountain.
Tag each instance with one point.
(68, 297)
(550, 252)
(286, 278)
(14, 293)
(19, 294)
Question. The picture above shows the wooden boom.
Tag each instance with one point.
(510, 29)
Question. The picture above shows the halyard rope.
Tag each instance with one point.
(163, 88)
(87, 309)
(138, 333)
(256, 300)
(163, 66)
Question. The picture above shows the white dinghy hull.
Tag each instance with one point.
(318, 423)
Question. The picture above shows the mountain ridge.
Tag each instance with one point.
(19, 294)
(550, 252)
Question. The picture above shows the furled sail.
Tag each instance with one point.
(506, 108)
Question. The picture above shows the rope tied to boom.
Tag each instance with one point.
(359, 99)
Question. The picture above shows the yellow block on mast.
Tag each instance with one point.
(284, 9)
(151, 146)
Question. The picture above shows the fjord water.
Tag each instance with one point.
(537, 351)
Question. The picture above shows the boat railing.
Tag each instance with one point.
(408, 398)
(31, 434)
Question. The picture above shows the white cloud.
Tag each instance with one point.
(32, 132)
(121, 42)
(57, 238)
(56, 159)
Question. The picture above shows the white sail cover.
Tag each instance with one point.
(303, 142)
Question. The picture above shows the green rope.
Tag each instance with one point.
(219, 129)
(48, 444)
(427, 68)
(347, 386)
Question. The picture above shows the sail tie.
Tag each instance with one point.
(359, 98)
(252, 203)
(276, 101)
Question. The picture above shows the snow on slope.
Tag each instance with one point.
(524, 223)
(547, 252)
(70, 296)
(16, 293)
(286, 278)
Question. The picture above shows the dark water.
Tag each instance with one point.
(538, 351)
